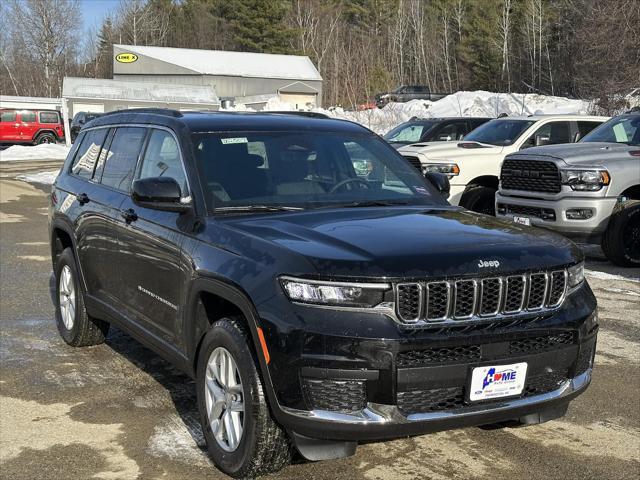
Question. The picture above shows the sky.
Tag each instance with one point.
(94, 11)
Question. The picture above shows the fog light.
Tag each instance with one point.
(579, 213)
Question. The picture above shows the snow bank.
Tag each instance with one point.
(37, 152)
(45, 178)
(460, 104)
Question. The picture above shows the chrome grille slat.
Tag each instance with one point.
(468, 299)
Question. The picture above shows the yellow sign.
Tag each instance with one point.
(126, 57)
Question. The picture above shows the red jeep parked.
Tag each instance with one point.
(30, 126)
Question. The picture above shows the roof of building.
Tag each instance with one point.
(233, 64)
(12, 98)
(104, 89)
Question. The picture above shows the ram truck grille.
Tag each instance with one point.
(469, 299)
(415, 162)
(530, 176)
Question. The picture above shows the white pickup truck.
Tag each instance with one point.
(473, 164)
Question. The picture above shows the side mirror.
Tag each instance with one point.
(440, 181)
(542, 140)
(159, 193)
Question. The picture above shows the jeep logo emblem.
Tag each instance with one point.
(488, 263)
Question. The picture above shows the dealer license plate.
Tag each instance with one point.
(496, 381)
(522, 220)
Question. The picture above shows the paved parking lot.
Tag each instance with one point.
(117, 411)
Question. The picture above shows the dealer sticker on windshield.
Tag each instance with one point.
(522, 220)
(497, 381)
(232, 140)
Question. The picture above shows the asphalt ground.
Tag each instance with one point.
(118, 411)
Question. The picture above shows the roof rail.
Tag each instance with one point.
(299, 113)
(157, 111)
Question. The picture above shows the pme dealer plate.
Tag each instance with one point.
(522, 220)
(497, 381)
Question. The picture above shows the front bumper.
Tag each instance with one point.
(378, 422)
(339, 385)
(589, 230)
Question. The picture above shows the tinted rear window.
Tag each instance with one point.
(122, 158)
(87, 154)
(28, 117)
(49, 117)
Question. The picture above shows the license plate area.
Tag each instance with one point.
(522, 221)
(497, 381)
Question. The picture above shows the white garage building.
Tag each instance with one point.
(246, 78)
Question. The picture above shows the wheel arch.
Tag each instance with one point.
(490, 181)
(210, 299)
(632, 192)
(45, 130)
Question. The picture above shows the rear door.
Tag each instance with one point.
(51, 121)
(28, 125)
(9, 126)
(153, 270)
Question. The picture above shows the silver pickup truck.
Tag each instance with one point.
(589, 191)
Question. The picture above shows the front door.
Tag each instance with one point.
(152, 267)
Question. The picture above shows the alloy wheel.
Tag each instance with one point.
(224, 399)
(67, 297)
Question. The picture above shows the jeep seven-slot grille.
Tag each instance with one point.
(530, 175)
(479, 298)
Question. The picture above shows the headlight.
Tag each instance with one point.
(585, 180)
(355, 295)
(450, 169)
(575, 275)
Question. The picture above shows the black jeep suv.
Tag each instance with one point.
(314, 305)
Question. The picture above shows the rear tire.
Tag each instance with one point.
(263, 446)
(45, 138)
(480, 199)
(621, 240)
(76, 327)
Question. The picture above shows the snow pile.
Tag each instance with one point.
(38, 152)
(44, 178)
(460, 104)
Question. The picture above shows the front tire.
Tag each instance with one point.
(76, 327)
(621, 240)
(242, 438)
(480, 199)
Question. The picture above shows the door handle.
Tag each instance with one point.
(83, 198)
(129, 215)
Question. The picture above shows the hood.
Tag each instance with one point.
(582, 153)
(403, 242)
(450, 150)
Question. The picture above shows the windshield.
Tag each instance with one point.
(408, 132)
(623, 129)
(306, 170)
(499, 132)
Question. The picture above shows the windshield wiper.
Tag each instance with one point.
(257, 208)
(369, 203)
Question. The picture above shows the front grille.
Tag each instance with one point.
(335, 395)
(430, 356)
(467, 353)
(540, 343)
(479, 298)
(535, 212)
(453, 398)
(530, 176)
(415, 162)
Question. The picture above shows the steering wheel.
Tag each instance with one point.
(349, 180)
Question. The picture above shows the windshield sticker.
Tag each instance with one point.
(227, 141)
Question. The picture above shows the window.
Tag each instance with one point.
(585, 127)
(49, 117)
(452, 131)
(551, 134)
(27, 116)
(8, 116)
(122, 158)
(305, 170)
(162, 159)
(409, 132)
(499, 132)
(87, 154)
(621, 129)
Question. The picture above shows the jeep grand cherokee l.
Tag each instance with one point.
(314, 308)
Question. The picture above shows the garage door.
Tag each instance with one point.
(299, 100)
(88, 107)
